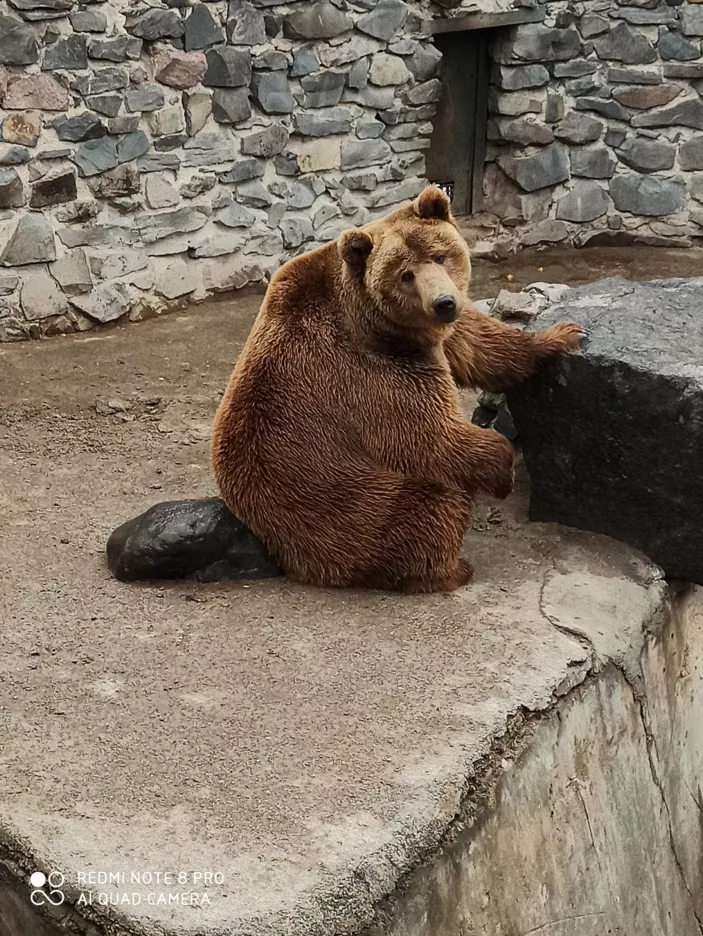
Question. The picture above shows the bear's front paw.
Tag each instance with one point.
(560, 339)
(500, 468)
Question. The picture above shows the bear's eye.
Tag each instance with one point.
(407, 277)
(439, 259)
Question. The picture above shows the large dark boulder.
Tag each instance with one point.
(613, 436)
(199, 539)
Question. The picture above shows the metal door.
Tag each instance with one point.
(458, 143)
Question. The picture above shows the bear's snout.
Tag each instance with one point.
(444, 308)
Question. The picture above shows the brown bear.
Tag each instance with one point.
(340, 441)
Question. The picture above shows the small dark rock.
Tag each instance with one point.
(198, 539)
(56, 190)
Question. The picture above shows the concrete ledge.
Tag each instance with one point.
(510, 756)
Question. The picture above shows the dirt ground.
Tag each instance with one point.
(575, 267)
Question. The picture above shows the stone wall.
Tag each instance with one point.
(157, 154)
(596, 125)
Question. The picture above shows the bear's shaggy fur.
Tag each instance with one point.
(340, 440)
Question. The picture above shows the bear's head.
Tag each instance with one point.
(413, 265)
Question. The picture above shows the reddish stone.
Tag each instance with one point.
(35, 92)
(179, 69)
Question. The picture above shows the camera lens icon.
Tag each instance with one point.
(54, 881)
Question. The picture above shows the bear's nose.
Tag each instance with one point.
(445, 308)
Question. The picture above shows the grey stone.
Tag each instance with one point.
(554, 108)
(181, 221)
(156, 162)
(105, 303)
(116, 49)
(377, 98)
(32, 241)
(108, 104)
(301, 196)
(244, 170)
(684, 70)
(85, 126)
(254, 194)
(578, 128)
(614, 136)
(272, 60)
(54, 190)
(101, 80)
(425, 93)
(286, 164)
(97, 235)
(319, 20)
(638, 16)
(11, 189)
(634, 477)
(158, 24)
(424, 63)
(577, 68)
(159, 192)
(592, 24)
(590, 84)
(235, 216)
(625, 44)
(69, 53)
(646, 155)
(305, 62)
(196, 539)
(197, 185)
(95, 156)
(534, 42)
(18, 43)
(227, 67)
(179, 69)
(323, 90)
(40, 296)
(296, 231)
(688, 113)
(245, 24)
(519, 130)
(547, 167)
(324, 122)
(144, 97)
(72, 273)
(119, 125)
(272, 93)
(231, 105)
(357, 154)
(521, 77)
(358, 77)
(90, 21)
(585, 202)
(691, 154)
(266, 143)
(217, 245)
(648, 195)
(197, 106)
(691, 18)
(545, 232)
(644, 97)
(673, 46)
(209, 149)
(695, 186)
(168, 121)
(132, 146)
(592, 162)
(79, 212)
(116, 183)
(385, 20)
(369, 129)
(8, 284)
(605, 108)
(641, 76)
(201, 30)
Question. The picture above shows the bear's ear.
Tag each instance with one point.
(432, 203)
(354, 246)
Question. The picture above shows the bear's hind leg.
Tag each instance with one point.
(421, 542)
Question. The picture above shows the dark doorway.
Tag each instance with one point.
(458, 143)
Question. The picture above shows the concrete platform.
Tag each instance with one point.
(332, 759)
